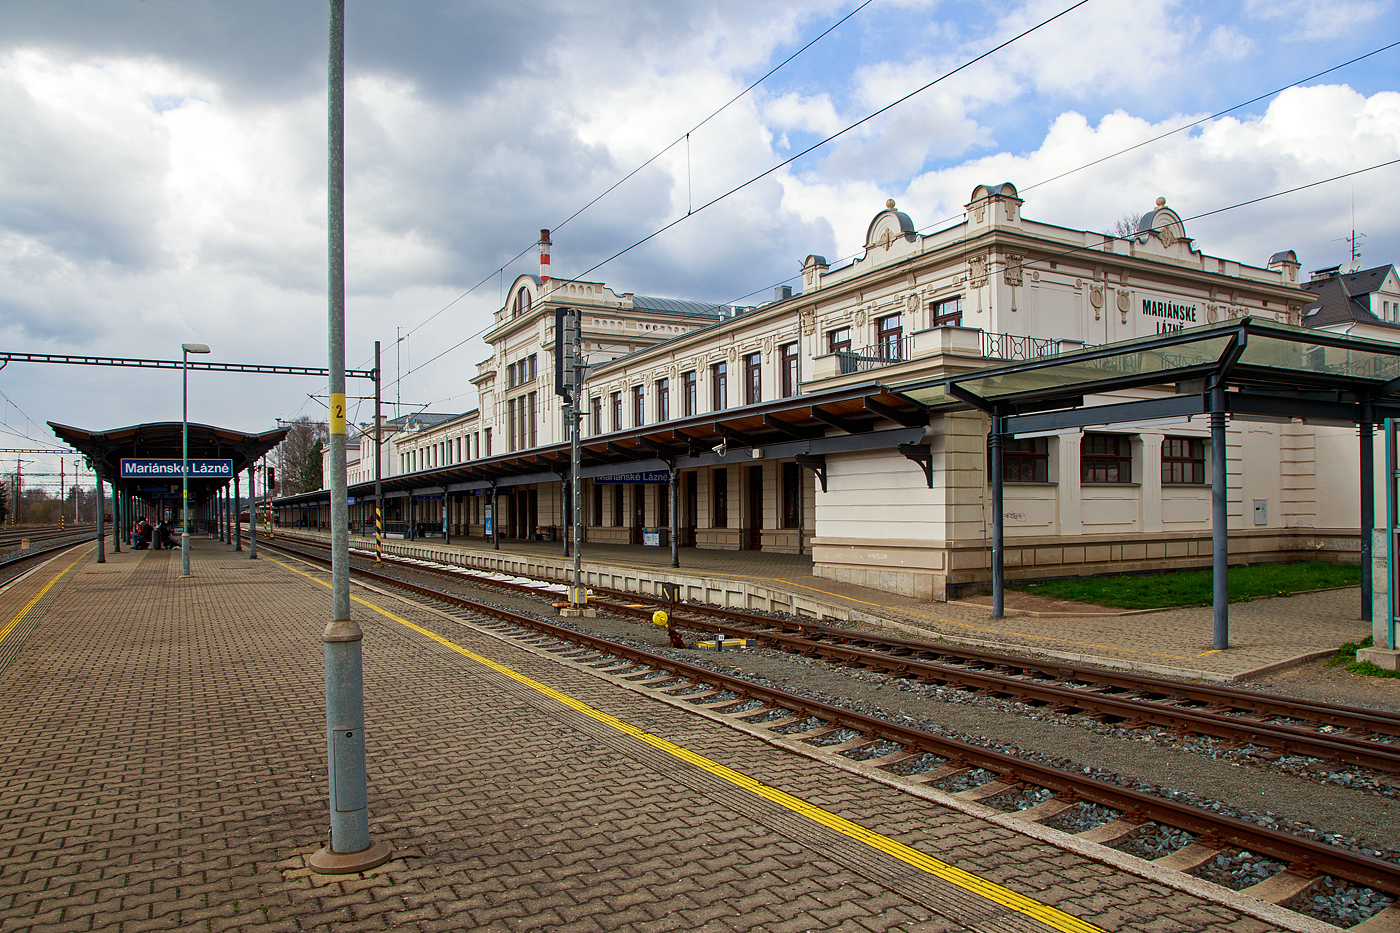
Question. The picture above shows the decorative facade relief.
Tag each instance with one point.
(977, 270)
(1013, 274)
(808, 319)
(1125, 302)
(1096, 299)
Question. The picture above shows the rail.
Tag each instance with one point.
(1303, 856)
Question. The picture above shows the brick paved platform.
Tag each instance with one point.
(162, 742)
(1264, 634)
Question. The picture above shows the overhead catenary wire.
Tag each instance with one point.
(952, 217)
(500, 270)
(817, 145)
(837, 135)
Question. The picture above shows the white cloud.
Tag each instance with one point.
(1313, 20)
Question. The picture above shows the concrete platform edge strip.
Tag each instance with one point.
(1187, 884)
(1050, 916)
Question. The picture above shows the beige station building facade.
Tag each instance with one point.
(820, 452)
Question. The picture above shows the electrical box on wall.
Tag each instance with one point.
(1261, 511)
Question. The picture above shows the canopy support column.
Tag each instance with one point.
(675, 491)
(101, 517)
(995, 443)
(1368, 506)
(1219, 528)
(237, 522)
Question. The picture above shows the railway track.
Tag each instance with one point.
(1282, 725)
(992, 777)
(13, 561)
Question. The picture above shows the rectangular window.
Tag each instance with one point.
(488, 442)
(792, 489)
(534, 366)
(753, 378)
(946, 313)
(510, 424)
(617, 505)
(597, 414)
(838, 340)
(889, 332)
(688, 390)
(533, 433)
(1106, 458)
(1025, 460)
(1183, 461)
(721, 479)
(788, 363)
(719, 386)
(617, 411)
(663, 400)
(639, 403)
(597, 504)
(663, 506)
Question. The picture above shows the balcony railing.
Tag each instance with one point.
(868, 358)
(1016, 347)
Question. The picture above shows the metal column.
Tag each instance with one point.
(1368, 506)
(1219, 527)
(566, 495)
(101, 517)
(378, 482)
(995, 441)
(675, 515)
(237, 524)
(116, 519)
(252, 514)
(350, 848)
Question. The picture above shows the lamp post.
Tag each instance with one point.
(186, 349)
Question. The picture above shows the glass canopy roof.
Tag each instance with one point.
(1275, 356)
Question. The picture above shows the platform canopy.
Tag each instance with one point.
(872, 417)
(105, 450)
(1267, 371)
(1242, 369)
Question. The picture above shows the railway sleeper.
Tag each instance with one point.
(1298, 878)
(1112, 831)
(1205, 848)
(942, 772)
(988, 790)
(1047, 809)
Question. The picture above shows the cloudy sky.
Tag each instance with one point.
(162, 163)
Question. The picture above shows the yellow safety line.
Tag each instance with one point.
(10, 625)
(990, 890)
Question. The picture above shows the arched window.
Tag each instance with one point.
(522, 303)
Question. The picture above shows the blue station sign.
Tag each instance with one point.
(169, 468)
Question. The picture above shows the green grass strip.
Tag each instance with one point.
(1194, 587)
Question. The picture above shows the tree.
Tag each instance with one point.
(311, 475)
(294, 455)
(1126, 226)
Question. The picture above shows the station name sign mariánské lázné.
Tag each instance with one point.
(169, 468)
(1170, 315)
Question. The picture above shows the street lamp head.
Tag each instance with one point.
(195, 347)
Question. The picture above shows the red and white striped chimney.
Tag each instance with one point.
(544, 256)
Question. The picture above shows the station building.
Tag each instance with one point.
(783, 426)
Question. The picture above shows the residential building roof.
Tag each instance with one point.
(1342, 296)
